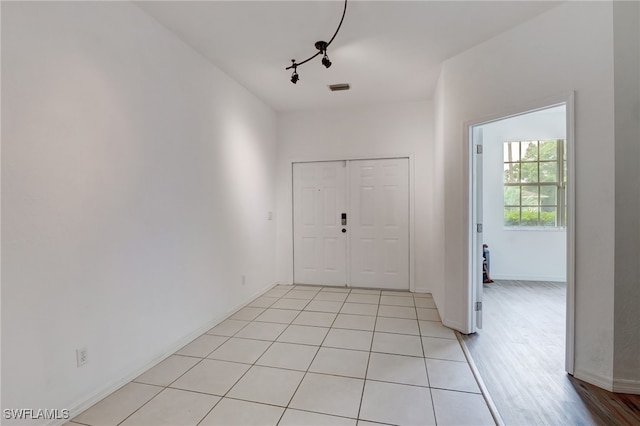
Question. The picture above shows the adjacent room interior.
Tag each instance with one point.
(153, 257)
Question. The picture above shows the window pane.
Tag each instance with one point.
(548, 150)
(511, 152)
(530, 195)
(548, 195)
(511, 195)
(549, 172)
(529, 172)
(529, 216)
(511, 216)
(529, 150)
(548, 216)
(512, 172)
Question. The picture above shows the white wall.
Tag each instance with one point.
(136, 180)
(569, 48)
(359, 132)
(627, 196)
(516, 253)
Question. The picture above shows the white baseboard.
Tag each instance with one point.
(421, 290)
(626, 386)
(553, 278)
(594, 379)
(81, 405)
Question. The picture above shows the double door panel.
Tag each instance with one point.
(372, 248)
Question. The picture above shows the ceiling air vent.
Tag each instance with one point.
(339, 87)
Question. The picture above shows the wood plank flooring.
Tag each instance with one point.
(520, 356)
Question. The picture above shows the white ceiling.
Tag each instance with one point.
(387, 50)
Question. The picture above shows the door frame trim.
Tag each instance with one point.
(410, 156)
(566, 98)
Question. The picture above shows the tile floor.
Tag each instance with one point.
(302, 355)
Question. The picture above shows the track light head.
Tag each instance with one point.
(325, 60)
(294, 77)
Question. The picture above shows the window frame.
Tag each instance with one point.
(559, 184)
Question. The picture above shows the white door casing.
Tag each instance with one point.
(373, 250)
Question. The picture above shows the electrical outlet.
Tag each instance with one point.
(82, 356)
(243, 280)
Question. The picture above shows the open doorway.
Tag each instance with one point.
(521, 260)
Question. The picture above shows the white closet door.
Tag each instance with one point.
(379, 223)
(319, 244)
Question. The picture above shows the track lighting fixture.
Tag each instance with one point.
(295, 77)
(322, 49)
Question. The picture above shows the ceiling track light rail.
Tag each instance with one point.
(322, 50)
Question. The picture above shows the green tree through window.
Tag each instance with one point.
(534, 183)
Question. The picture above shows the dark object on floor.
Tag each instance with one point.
(486, 278)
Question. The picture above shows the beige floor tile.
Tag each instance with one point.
(247, 314)
(443, 349)
(293, 417)
(282, 316)
(167, 371)
(202, 346)
(397, 404)
(397, 312)
(329, 395)
(263, 302)
(435, 329)
(403, 369)
(366, 423)
(324, 306)
(173, 407)
(397, 325)
(288, 355)
(211, 376)
(399, 344)
(228, 327)
(295, 304)
(460, 409)
(451, 375)
(396, 301)
(331, 297)
(422, 296)
(300, 294)
(428, 314)
(359, 309)
(365, 291)
(119, 405)
(355, 322)
(348, 339)
(278, 291)
(424, 302)
(317, 319)
(262, 331)
(397, 293)
(371, 299)
(267, 385)
(240, 350)
(232, 412)
(340, 362)
(335, 289)
(303, 334)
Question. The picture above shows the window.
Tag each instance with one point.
(534, 183)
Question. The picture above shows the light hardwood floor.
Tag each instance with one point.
(520, 356)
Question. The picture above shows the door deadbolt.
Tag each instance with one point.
(344, 230)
